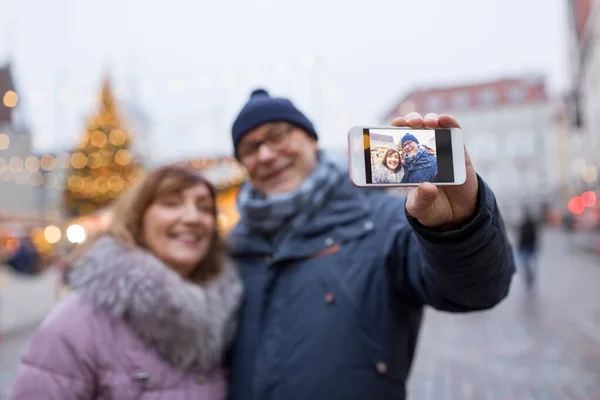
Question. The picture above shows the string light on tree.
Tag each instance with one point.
(10, 99)
(47, 162)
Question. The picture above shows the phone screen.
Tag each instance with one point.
(409, 156)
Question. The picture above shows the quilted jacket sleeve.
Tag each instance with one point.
(468, 269)
(59, 363)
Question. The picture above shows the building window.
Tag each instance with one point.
(488, 97)
(434, 104)
(516, 94)
(460, 100)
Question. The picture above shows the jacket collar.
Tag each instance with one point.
(345, 215)
(188, 324)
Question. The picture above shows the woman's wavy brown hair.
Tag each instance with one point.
(128, 213)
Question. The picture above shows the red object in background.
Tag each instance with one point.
(589, 199)
(576, 205)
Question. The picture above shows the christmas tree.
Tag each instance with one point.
(102, 164)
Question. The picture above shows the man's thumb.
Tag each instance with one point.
(420, 202)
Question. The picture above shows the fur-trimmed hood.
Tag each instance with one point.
(188, 324)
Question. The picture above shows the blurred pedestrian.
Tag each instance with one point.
(336, 277)
(153, 303)
(528, 246)
(25, 259)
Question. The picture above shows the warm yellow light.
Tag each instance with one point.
(89, 184)
(223, 220)
(123, 157)
(15, 164)
(115, 183)
(95, 160)
(4, 141)
(48, 163)
(52, 234)
(76, 234)
(10, 99)
(32, 164)
(117, 137)
(99, 139)
(102, 184)
(78, 160)
(83, 142)
(75, 183)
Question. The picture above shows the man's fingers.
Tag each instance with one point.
(399, 121)
(448, 121)
(431, 121)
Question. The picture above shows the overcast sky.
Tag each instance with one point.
(193, 64)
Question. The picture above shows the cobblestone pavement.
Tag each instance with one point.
(23, 303)
(11, 348)
(542, 345)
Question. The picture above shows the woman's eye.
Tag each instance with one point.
(169, 202)
(206, 209)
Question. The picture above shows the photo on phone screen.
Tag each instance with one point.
(409, 156)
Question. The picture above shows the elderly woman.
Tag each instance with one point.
(390, 169)
(153, 306)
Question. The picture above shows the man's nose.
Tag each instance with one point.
(266, 153)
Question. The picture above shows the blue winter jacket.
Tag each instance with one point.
(423, 169)
(334, 313)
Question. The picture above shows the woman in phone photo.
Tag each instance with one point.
(153, 304)
(389, 170)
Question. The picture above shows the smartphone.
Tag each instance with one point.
(402, 156)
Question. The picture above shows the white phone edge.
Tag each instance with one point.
(356, 158)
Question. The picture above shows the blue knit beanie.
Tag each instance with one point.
(262, 108)
(409, 136)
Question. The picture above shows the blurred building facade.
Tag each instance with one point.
(510, 132)
(19, 174)
(583, 102)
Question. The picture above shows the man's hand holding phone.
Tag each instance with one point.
(443, 207)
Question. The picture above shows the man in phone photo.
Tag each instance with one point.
(337, 277)
(419, 165)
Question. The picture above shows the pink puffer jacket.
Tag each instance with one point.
(132, 329)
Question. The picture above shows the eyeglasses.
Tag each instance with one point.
(275, 139)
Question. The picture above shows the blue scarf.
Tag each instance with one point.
(409, 160)
(281, 213)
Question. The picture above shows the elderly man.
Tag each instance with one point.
(419, 165)
(336, 277)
